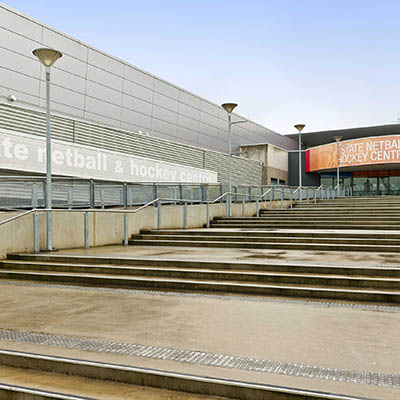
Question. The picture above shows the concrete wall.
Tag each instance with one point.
(274, 159)
(107, 228)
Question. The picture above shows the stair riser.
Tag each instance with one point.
(347, 221)
(304, 226)
(210, 287)
(374, 242)
(293, 246)
(349, 271)
(277, 234)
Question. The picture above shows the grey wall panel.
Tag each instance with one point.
(188, 123)
(63, 96)
(166, 89)
(138, 91)
(71, 65)
(18, 23)
(22, 83)
(189, 111)
(75, 82)
(135, 118)
(165, 102)
(135, 104)
(59, 41)
(106, 62)
(93, 117)
(20, 44)
(19, 63)
(164, 114)
(141, 78)
(99, 91)
(103, 108)
(163, 126)
(103, 77)
(189, 99)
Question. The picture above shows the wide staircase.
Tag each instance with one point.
(251, 276)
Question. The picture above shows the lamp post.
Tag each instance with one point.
(300, 127)
(229, 107)
(337, 139)
(48, 57)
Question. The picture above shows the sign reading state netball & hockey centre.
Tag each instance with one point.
(27, 153)
(357, 152)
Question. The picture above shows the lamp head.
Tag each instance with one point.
(47, 56)
(299, 127)
(338, 138)
(229, 107)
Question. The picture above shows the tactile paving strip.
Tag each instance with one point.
(205, 358)
(226, 297)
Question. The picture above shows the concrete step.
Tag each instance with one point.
(311, 211)
(180, 385)
(253, 288)
(348, 205)
(310, 233)
(212, 242)
(314, 218)
(284, 225)
(347, 224)
(122, 266)
(267, 238)
(322, 280)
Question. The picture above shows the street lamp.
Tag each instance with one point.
(300, 127)
(229, 107)
(48, 57)
(337, 139)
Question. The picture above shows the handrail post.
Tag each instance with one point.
(235, 190)
(257, 208)
(315, 196)
(243, 202)
(69, 197)
(158, 214)
(34, 196)
(227, 207)
(308, 200)
(208, 214)
(281, 199)
(49, 233)
(35, 232)
(125, 229)
(249, 193)
(291, 198)
(273, 193)
(185, 215)
(125, 195)
(91, 194)
(86, 229)
(154, 191)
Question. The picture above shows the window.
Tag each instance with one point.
(282, 182)
(274, 181)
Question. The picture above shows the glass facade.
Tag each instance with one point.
(366, 185)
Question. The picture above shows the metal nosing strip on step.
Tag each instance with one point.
(203, 358)
(39, 393)
(155, 378)
(226, 297)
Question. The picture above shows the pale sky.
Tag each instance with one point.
(330, 64)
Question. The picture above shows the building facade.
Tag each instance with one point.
(92, 87)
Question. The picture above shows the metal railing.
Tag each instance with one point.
(28, 192)
(273, 193)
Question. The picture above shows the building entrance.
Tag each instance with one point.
(366, 185)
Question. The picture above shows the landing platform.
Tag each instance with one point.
(332, 347)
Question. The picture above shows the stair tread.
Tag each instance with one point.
(204, 270)
(264, 243)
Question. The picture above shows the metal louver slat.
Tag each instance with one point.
(244, 171)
